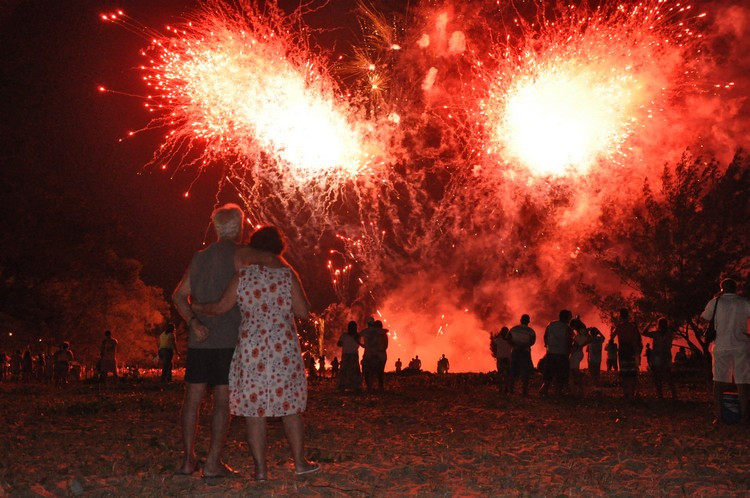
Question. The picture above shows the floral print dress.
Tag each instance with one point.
(267, 376)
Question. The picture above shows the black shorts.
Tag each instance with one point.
(208, 366)
(557, 367)
(520, 363)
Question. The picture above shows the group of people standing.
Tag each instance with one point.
(374, 340)
(566, 338)
(565, 341)
(57, 367)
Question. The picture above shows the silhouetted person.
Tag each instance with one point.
(27, 366)
(521, 337)
(595, 354)
(3, 366)
(660, 359)
(398, 365)
(322, 365)
(334, 367)
(647, 354)
(62, 359)
(580, 340)
(375, 340)
(349, 374)
(309, 361)
(167, 349)
(108, 357)
(443, 365)
(681, 357)
(40, 366)
(612, 351)
(417, 363)
(630, 346)
(557, 339)
(502, 348)
(731, 352)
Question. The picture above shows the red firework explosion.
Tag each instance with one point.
(583, 82)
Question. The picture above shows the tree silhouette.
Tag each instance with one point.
(671, 248)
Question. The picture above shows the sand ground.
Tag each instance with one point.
(426, 435)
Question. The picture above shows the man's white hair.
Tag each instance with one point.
(227, 221)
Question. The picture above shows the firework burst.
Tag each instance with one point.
(581, 82)
(241, 86)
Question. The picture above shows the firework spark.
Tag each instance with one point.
(422, 221)
(237, 83)
(575, 91)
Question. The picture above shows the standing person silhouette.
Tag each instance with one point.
(630, 346)
(522, 337)
(375, 339)
(167, 349)
(558, 337)
(108, 357)
(594, 349)
(660, 360)
(267, 376)
(349, 373)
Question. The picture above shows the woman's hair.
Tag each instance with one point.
(267, 238)
(227, 221)
(352, 328)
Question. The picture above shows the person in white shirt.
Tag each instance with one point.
(731, 351)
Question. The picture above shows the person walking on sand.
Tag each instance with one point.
(557, 339)
(108, 357)
(731, 351)
(630, 346)
(350, 377)
(167, 349)
(267, 376)
(209, 354)
(522, 337)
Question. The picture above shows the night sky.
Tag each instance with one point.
(57, 125)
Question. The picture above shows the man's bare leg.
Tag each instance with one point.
(295, 433)
(190, 407)
(256, 438)
(219, 428)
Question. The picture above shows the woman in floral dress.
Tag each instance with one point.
(267, 375)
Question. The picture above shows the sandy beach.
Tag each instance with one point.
(451, 435)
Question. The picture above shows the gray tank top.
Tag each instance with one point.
(210, 273)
